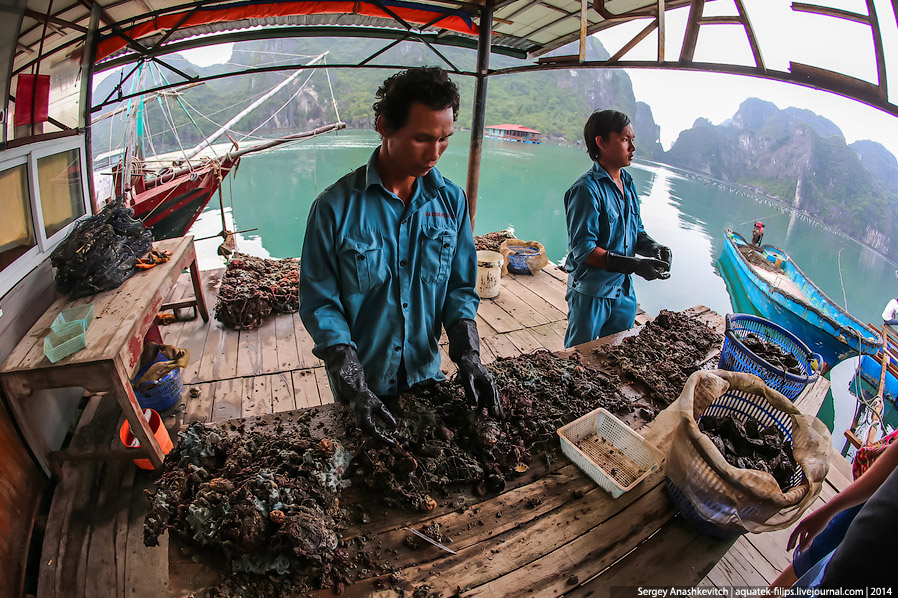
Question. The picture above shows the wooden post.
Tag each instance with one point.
(86, 99)
(878, 400)
(583, 24)
(478, 120)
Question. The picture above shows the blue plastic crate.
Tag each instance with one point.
(517, 259)
(159, 394)
(736, 357)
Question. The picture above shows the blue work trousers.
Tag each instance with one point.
(590, 318)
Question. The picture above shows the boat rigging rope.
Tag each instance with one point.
(334, 98)
(265, 122)
(218, 124)
(171, 121)
(842, 282)
(751, 221)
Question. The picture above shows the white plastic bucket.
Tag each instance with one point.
(489, 273)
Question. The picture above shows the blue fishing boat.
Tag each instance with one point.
(778, 290)
(870, 369)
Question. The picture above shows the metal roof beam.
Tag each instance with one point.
(250, 71)
(830, 12)
(177, 26)
(799, 74)
(687, 51)
(633, 42)
(44, 18)
(869, 20)
(306, 31)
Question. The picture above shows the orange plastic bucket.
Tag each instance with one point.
(159, 432)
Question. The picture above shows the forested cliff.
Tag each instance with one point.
(793, 154)
(803, 159)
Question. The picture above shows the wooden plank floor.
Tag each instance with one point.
(94, 535)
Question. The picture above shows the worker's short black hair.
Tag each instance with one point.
(599, 124)
(430, 86)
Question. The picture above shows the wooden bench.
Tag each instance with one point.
(123, 317)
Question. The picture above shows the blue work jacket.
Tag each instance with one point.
(384, 277)
(599, 216)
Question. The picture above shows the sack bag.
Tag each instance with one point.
(731, 498)
(522, 257)
(174, 358)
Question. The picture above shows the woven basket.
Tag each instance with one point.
(159, 394)
(736, 357)
(517, 259)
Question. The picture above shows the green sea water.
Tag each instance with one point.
(522, 186)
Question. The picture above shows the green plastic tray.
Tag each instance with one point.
(62, 343)
(83, 314)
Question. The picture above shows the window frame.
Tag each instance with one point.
(30, 154)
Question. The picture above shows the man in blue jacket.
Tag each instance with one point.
(605, 235)
(388, 260)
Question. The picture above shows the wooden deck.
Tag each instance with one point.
(94, 541)
(780, 281)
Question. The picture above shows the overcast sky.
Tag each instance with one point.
(678, 98)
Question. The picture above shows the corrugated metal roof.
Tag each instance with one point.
(525, 25)
(530, 27)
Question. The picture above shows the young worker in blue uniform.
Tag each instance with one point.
(388, 260)
(605, 235)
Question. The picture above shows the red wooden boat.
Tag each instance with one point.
(169, 201)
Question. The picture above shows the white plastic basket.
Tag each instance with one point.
(608, 451)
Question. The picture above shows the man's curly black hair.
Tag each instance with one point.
(430, 86)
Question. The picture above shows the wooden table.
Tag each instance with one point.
(552, 532)
(122, 319)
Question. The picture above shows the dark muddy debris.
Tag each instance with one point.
(492, 241)
(663, 355)
(756, 259)
(268, 502)
(540, 393)
(773, 354)
(253, 288)
(268, 499)
(749, 446)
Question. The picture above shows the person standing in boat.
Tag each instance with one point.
(388, 260)
(605, 235)
(757, 235)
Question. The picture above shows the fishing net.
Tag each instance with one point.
(101, 252)
(254, 288)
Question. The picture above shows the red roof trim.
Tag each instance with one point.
(513, 128)
(419, 16)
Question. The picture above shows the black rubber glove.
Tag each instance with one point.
(647, 246)
(347, 377)
(464, 350)
(648, 268)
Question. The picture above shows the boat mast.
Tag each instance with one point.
(208, 140)
(131, 144)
